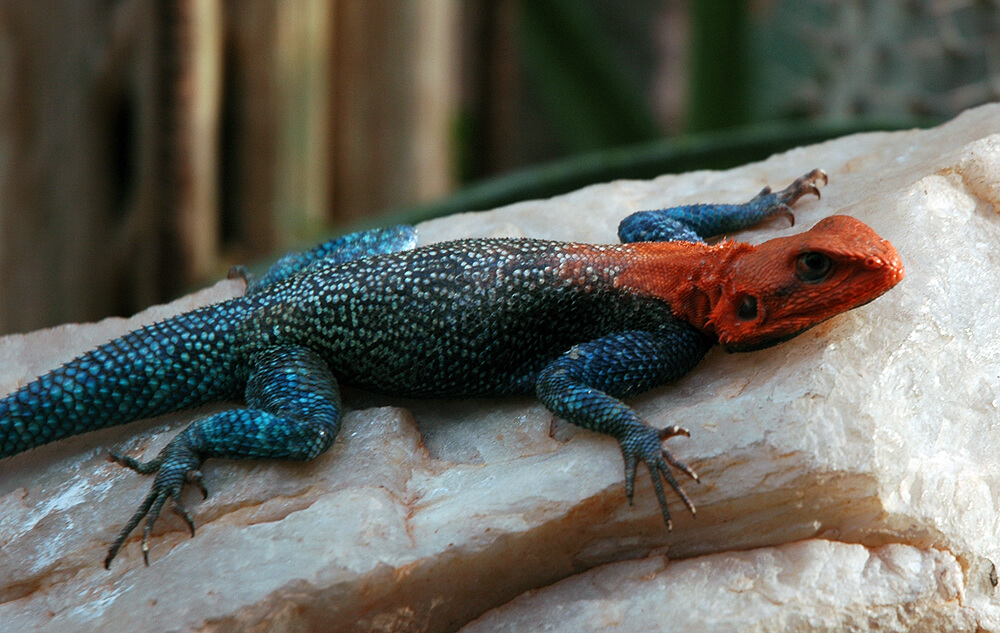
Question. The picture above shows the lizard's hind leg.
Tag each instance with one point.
(293, 412)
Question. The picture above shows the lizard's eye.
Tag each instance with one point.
(747, 310)
(813, 267)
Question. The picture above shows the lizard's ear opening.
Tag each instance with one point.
(736, 316)
(746, 308)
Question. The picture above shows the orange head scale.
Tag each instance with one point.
(786, 285)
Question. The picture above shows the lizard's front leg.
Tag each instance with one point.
(293, 412)
(584, 386)
(696, 222)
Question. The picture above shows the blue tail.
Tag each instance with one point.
(168, 366)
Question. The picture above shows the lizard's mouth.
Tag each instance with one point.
(762, 343)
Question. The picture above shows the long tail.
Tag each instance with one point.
(182, 362)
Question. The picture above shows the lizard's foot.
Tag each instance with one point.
(782, 201)
(646, 444)
(802, 185)
(697, 222)
(175, 466)
(809, 183)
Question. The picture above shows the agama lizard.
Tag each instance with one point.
(582, 326)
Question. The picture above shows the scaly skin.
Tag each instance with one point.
(580, 325)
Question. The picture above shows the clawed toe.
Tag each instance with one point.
(785, 211)
(131, 525)
(659, 461)
(673, 431)
(175, 467)
(131, 463)
(149, 510)
(182, 512)
(803, 185)
(196, 478)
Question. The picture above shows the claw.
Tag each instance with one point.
(679, 465)
(154, 513)
(655, 471)
(659, 462)
(131, 463)
(175, 467)
(803, 185)
(132, 523)
(673, 431)
(630, 464)
(676, 486)
(195, 477)
(786, 211)
(182, 512)
(780, 204)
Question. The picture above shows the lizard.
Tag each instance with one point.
(581, 326)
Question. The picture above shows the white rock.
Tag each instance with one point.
(807, 586)
(872, 439)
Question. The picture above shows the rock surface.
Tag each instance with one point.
(850, 475)
(813, 585)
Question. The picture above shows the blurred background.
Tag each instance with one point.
(146, 145)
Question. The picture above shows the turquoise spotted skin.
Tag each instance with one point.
(479, 317)
(337, 251)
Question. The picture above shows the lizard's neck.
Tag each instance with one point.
(691, 277)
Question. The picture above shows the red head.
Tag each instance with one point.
(786, 285)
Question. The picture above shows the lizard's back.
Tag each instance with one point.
(465, 318)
